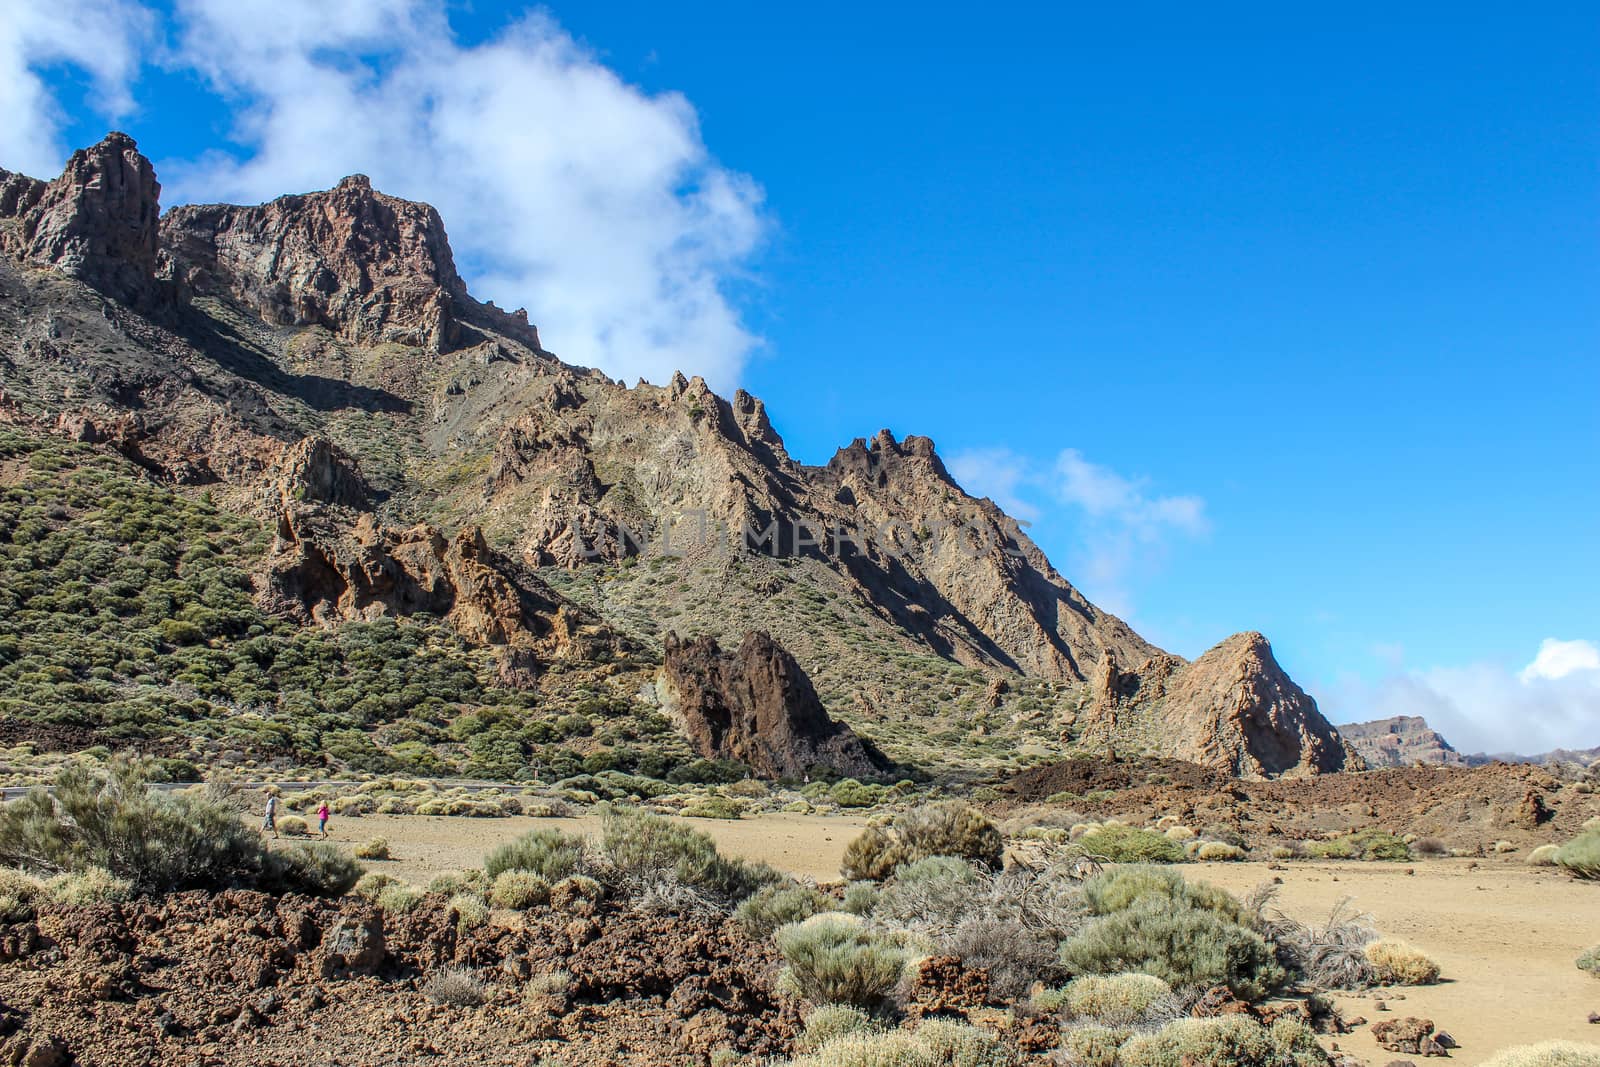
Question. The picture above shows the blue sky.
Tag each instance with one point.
(1267, 320)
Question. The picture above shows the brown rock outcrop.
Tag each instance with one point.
(371, 268)
(758, 707)
(1233, 709)
(322, 575)
(98, 222)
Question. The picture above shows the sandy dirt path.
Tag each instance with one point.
(1505, 934)
(423, 845)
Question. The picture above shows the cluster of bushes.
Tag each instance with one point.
(155, 841)
(1366, 844)
(949, 828)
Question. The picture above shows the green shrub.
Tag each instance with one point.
(779, 905)
(833, 959)
(156, 841)
(320, 869)
(470, 911)
(935, 1043)
(519, 890)
(1580, 857)
(291, 826)
(1092, 1045)
(19, 894)
(829, 1021)
(715, 808)
(1590, 961)
(398, 898)
(938, 892)
(1117, 890)
(369, 885)
(1186, 947)
(860, 898)
(1397, 963)
(1367, 844)
(637, 847)
(1218, 852)
(1119, 1000)
(91, 886)
(849, 793)
(1547, 1054)
(375, 848)
(872, 855)
(948, 828)
(547, 852)
(1227, 1041)
(951, 828)
(1115, 843)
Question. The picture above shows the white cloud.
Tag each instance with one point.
(566, 190)
(101, 38)
(1121, 528)
(1559, 659)
(1554, 702)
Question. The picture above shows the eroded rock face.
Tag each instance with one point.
(319, 471)
(98, 222)
(370, 268)
(1233, 709)
(322, 574)
(1400, 742)
(757, 706)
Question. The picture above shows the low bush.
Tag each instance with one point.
(1430, 846)
(833, 959)
(1119, 1000)
(938, 892)
(1580, 857)
(1543, 856)
(374, 848)
(1547, 1054)
(291, 826)
(1014, 956)
(458, 987)
(1330, 956)
(1368, 844)
(860, 898)
(779, 905)
(935, 1043)
(19, 895)
(1117, 890)
(638, 848)
(398, 898)
(948, 828)
(1092, 1045)
(829, 1021)
(519, 890)
(548, 984)
(1397, 963)
(1115, 843)
(1226, 1041)
(156, 841)
(715, 808)
(369, 885)
(575, 893)
(549, 853)
(91, 886)
(1590, 961)
(317, 868)
(470, 911)
(1218, 852)
(1187, 947)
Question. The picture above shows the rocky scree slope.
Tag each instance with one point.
(317, 362)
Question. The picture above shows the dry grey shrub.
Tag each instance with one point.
(459, 987)
(1330, 956)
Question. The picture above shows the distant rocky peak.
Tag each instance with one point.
(886, 459)
(370, 268)
(98, 222)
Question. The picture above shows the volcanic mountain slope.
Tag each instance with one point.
(1401, 741)
(317, 365)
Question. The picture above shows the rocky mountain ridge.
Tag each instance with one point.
(318, 362)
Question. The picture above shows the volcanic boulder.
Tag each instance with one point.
(757, 706)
